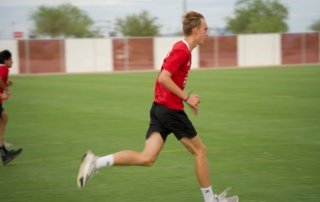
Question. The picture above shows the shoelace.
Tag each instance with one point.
(223, 194)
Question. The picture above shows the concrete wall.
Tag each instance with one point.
(259, 50)
(88, 55)
(130, 54)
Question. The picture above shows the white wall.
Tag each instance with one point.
(12, 46)
(259, 50)
(162, 46)
(88, 55)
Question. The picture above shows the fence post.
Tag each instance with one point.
(126, 58)
(216, 51)
(61, 56)
(27, 55)
(303, 48)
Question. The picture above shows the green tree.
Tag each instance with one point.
(258, 16)
(315, 26)
(142, 24)
(64, 20)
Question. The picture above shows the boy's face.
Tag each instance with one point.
(202, 32)
(8, 62)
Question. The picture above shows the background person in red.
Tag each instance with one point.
(167, 115)
(5, 64)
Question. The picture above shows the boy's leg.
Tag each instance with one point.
(198, 150)
(3, 122)
(90, 163)
(6, 155)
(147, 157)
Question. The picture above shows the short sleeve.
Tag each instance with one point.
(176, 59)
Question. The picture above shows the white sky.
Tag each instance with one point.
(14, 13)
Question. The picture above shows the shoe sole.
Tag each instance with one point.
(13, 157)
(83, 171)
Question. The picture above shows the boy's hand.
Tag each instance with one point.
(9, 83)
(4, 96)
(193, 102)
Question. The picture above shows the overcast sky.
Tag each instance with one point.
(14, 13)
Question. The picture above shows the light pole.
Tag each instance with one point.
(13, 28)
(184, 6)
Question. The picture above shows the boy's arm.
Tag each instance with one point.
(4, 86)
(192, 100)
(165, 79)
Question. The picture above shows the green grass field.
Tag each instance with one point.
(261, 128)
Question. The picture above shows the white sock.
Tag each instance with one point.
(104, 161)
(208, 194)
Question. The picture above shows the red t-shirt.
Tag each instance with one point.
(178, 63)
(4, 71)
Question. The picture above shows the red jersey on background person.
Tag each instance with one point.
(4, 72)
(5, 64)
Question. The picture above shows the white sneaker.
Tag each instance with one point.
(222, 198)
(7, 144)
(87, 168)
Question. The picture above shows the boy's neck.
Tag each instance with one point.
(191, 42)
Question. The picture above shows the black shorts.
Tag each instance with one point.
(166, 121)
(1, 110)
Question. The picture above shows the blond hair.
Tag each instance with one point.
(189, 21)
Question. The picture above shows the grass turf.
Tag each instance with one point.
(261, 128)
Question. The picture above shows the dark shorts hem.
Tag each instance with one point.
(167, 121)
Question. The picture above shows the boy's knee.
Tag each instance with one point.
(202, 151)
(148, 161)
(199, 151)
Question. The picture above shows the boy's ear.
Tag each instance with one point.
(195, 30)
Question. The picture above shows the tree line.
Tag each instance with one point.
(68, 21)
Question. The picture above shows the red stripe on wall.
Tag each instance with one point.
(23, 56)
(221, 51)
(228, 51)
(133, 54)
(141, 53)
(120, 55)
(291, 48)
(312, 48)
(41, 56)
(206, 53)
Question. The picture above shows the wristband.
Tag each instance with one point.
(186, 100)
